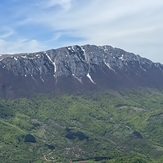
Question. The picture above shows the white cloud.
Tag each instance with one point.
(103, 16)
(133, 25)
(19, 46)
(64, 4)
(6, 33)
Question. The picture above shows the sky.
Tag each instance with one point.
(37, 25)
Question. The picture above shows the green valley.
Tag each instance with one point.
(107, 127)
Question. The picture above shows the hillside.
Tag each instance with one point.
(113, 126)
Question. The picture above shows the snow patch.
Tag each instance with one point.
(32, 77)
(77, 78)
(38, 56)
(23, 56)
(105, 49)
(108, 65)
(42, 79)
(31, 58)
(55, 67)
(54, 64)
(15, 59)
(122, 57)
(85, 56)
(143, 68)
(72, 48)
(90, 78)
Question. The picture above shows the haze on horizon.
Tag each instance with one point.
(36, 25)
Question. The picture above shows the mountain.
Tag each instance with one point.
(76, 68)
(105, 106)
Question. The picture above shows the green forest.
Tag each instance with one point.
(109, 127)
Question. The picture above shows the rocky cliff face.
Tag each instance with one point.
(76, 68)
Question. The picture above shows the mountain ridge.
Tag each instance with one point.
(76, 68)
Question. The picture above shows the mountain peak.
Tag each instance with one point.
(76, 68)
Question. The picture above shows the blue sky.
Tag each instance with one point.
(36, 25)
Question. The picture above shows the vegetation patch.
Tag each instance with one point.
(113, 126)
(29, 138)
